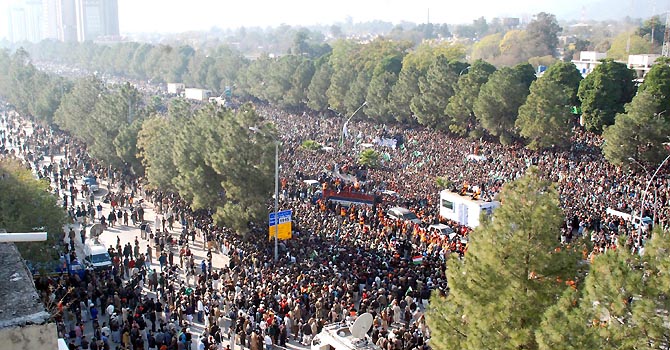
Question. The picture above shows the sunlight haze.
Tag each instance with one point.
(178, 16)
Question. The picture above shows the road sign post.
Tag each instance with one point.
(283, 229)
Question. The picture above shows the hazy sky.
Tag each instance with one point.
(180, 15)
(184, 15)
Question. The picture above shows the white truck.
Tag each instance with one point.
(175, 88)
(463, 209)
(197, 94)
(647, 222)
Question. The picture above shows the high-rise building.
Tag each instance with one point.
(25, 21)
(66, 20)
(50, 19)
(17, 24)
(96, 18)
(34, 18)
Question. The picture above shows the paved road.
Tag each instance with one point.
(128, 234)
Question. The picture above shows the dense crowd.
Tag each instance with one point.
(341, 261)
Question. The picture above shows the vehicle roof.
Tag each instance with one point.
(97, 249)
(439, 226)
(468, 199)
(400, 210)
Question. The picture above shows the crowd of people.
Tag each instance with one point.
(342, 260)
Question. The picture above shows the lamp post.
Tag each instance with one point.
(644, 195)
(344, 127)
(648, 175)
(259, 131)
(464, 69)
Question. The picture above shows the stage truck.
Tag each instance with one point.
(463, 209)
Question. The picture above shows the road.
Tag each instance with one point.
(128, 234)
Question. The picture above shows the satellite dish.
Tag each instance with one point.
(95, 231)
(361, 326)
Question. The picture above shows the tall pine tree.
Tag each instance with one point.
(513, 271)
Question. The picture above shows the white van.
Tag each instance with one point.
(97, 256)
(400, 213)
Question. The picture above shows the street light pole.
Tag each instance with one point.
(344, 127)
(644, 195)
(648, 175)
(276, 199)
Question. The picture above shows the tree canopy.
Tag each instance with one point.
(604, 93)
(26, 205)
(512, 273)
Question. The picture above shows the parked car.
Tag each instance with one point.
(56, 267)
(91, 182)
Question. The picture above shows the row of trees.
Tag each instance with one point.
(429, 85)
(517, 288)
(209, 157)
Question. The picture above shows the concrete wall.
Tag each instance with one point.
(43, 337)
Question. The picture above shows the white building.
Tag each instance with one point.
(588, 60)
(175, 88)
(641, 64)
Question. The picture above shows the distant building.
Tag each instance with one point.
(66, 20)
(641, 64)
(50, 19)
(511, 22)
(17, 24)
(588, 60)
(96, 18)
(175, 88)
(24, 322)
(25, 21)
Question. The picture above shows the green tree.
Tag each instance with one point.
(645, 30)
(402, 93)
(461, 105)
(296, 96)
(26, 205)
(378, 96)
(310, 145)
(196, 181)
(368, 158)
(515, 48)
(112, 127)
(604, 92)
(543, 34)
(512, 273)
(627, 43)
(74, 111)
(154, 145)
(357, 93)
(639, 132)
(623, 304)
(316, 92)
(21, 74)
(544, 119)
(246, 162)
(499, 99)
(343, 73)
(435, 90)
(657, 82)
(488, 47)
(566, 74)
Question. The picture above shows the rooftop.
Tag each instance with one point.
(21, 304)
